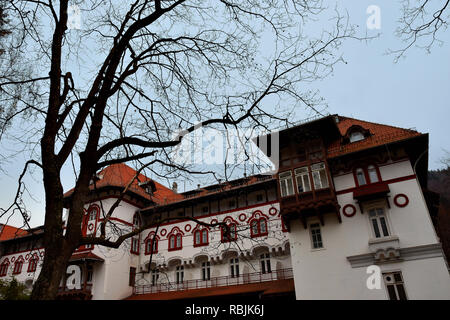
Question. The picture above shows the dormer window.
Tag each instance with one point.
(356, 136)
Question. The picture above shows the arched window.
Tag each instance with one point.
(360, 176)
(175, 242)
(373, 174)
(32, 263)
(93, 213)
(265, 263)
(18, 265)
(367, 174)
(200, 237)
(151, 244)
(258, 227)
(356, 136)
(4, 267)
(230, 234)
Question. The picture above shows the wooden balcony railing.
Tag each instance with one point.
(246, 278)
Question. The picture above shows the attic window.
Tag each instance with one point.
(148, 186)
(356, 136)
(96, 178)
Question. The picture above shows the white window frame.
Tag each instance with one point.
(302, 174)
(284, 178)
(395, 283)
(206, 271)
(266, 266)
(316, 173)
(234, 268)
(312, 226)
(378, 221)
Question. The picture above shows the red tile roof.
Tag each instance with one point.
(9, 232)
(119, 175)
(85, 256)
(266, 288)
(380, 134)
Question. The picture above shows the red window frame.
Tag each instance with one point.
(135, 240)
(228, 239)
(32, 264)
(365, 169)
(151, 238)
(4, 268)
(258, 227)
(176, 245)
(18, 266)
(201, 243)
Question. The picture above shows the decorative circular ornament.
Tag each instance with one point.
(273, 211)
(13, 259)
(27, 256)
(41, 254)
(163, 232)
(90, 227)
(242, 217)
(187, 228)
(213, 221)
(349, 210)
(401, 200)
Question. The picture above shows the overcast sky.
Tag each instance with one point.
(413, 93)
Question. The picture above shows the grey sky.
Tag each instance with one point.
(413, 93)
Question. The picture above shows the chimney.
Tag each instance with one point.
(175, 187)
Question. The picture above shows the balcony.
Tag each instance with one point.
(224, 281)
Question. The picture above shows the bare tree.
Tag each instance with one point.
(137, 77)
(421, 23)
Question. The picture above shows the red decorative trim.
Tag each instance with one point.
(18, 265)
(177, 235)
(397, 203)
(257, 219)
(395, 180)
(150, 238)
(27, 256)
(200, 230)
(242, 217)
(187, 228)
(4, 267)
(231, 223)
(273, 211)
(90, 227)
(13, 259)
(163, 232)
(213, 221)
(349, 213)
(32, 264)
(223, 212)
(118, 220)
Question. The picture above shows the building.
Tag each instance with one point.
(349, 200)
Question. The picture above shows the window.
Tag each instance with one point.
(230, 234)
(179, 274)
(395, 286)
(234, 267)
(259, 197)
(286, 185)
(32, 264)
(175, 242)
(316, 236)
(231, 204)
(302, 179)
(365, 175)
(265, 263)
(135, 239)
(132, 276)
(319, 175)
(4, 268)
(155, 276)
(356, 136)
(206, 271)
(258, 227)
(205, 209)
(18, 265)
(378, 221)
(360, 177)
(93, 214)
(200, 237)
(373, 174)
(151, 244)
